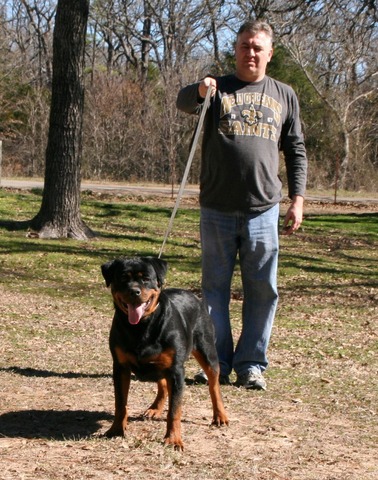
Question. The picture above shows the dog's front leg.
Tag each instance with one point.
(121, 379)
(156, 408)
(175, 386)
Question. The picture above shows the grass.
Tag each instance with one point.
(56, 313)
(329, 265)
(123, 229)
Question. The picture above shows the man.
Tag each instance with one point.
(250, 118)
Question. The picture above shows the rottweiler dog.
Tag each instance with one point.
(153, 333)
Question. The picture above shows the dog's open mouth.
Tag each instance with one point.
(135, 312)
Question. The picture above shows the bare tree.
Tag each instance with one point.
(114, 23)
(26, 55)
(140, 52)
(59, 215)
(30, 25)
(335, 43)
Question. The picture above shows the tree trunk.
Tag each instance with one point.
(59, 215)
(344, 166)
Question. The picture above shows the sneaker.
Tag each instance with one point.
(201, 377)
(224, 380)
(251, 380)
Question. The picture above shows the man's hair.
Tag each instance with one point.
(256, 26)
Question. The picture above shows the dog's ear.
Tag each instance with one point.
(160, 266)
(107, 270)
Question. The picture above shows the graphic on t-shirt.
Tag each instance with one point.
(250, 114)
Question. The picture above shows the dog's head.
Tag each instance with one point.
(135, 284)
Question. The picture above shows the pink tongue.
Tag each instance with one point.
(135, 313)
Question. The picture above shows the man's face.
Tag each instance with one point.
(252, 53)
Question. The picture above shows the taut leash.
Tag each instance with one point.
(205, 106)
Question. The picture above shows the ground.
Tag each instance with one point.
(56, 402)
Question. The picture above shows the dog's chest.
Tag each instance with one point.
(146, 352)
(148, 358)
(149, 349)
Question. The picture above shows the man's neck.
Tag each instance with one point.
(250, 78)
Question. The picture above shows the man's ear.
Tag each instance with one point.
(270, 54)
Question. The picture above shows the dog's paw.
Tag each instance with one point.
(220, 419)
(152, 414)
(174, 441)
(115, 431)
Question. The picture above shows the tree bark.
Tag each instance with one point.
(59, 215)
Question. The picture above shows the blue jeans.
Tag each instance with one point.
(255, 238)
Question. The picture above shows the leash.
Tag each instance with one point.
(205, 106)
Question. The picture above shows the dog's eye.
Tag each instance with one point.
(146, 279)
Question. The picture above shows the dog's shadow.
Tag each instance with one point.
(57, 424)
(52, 424)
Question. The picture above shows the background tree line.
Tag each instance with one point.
(140, 52)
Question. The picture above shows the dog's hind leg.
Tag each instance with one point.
(156, 408)
(219, 412)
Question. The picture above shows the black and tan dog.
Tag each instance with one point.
(152, 335)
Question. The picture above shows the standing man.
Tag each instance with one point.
(251, 117)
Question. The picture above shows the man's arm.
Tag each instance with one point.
(296, 167)
(190, 98)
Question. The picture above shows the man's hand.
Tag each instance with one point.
(205, 84)
(294, 215)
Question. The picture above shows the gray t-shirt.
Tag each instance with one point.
(245, 127)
